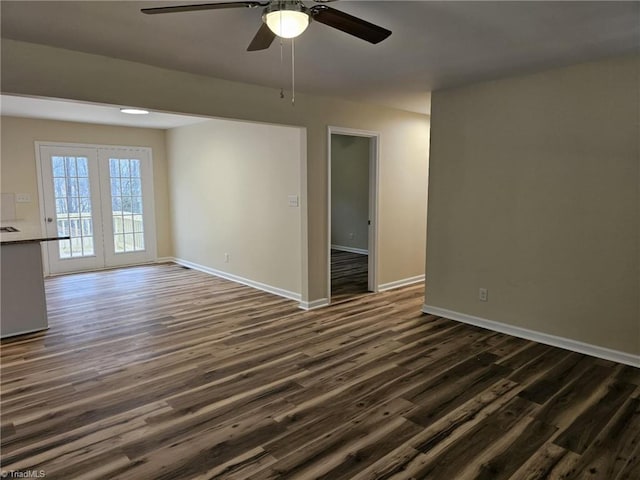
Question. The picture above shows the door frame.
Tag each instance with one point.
(151, 221)
(374, 166)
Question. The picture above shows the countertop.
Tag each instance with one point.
(9, 239)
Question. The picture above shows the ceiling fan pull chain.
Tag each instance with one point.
(281, 69)
(293, 72)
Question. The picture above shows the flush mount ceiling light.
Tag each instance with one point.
(134, 111)
(286, 19)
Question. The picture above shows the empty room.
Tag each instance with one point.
(320, 239)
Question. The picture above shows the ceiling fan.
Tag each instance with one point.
(288, 19)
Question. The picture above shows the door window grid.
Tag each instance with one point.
(72, 195)
(126, 205)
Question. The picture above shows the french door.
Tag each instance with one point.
(101, 197)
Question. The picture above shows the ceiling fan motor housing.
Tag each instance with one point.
(277, 5)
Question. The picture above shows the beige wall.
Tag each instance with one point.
(229, 184)
(18, 164)
(46, 71)
(349, 191)
(534, 195)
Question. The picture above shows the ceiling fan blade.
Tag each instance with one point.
(349, 24)
(203, 6)
(263, 39)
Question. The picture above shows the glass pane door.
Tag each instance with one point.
(127, 188)
(73, 206)
(70, 196)
(126, 205)
(101, 197)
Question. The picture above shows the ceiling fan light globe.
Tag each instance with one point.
(287, 23)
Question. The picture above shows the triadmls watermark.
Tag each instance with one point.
(22, 474)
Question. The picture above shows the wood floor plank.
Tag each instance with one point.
(440, 396)
(240, 468)
(44, 454)
(586, 427)
(326, 452)
(556, 378)
(349, 275)
(408, 458)
(389, 465)
(203, 450)
(614, 447)
(502, 464)
(541, 464)
(160, 372)
(631, 470)
(452, 462)
(564, 407)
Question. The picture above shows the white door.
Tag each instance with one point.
(102, 197)
(71, 194)
(127, 205)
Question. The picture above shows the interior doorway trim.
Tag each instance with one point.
(374, 164)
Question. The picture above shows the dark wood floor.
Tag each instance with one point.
(349, 275)
(161, 372)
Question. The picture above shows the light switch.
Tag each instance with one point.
(293, 201)
(23, 198)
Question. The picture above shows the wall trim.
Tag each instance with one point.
(400, 283)
(165, 260)
(235, 278)
(540, 337)
(342, 248)
(322, 302)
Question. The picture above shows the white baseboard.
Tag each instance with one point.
(322, 302)
(361, 251)
(235, 278)
(540, 337)
(400, 283)
(165, 260)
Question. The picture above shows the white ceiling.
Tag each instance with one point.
(434, 45)
(89, 113)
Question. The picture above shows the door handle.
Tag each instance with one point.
(49, 219)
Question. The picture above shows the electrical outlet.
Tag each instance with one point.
(351, 235)
(483, 295)
(23, 198)
(226, 258)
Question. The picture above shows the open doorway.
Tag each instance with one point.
(352, 193)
